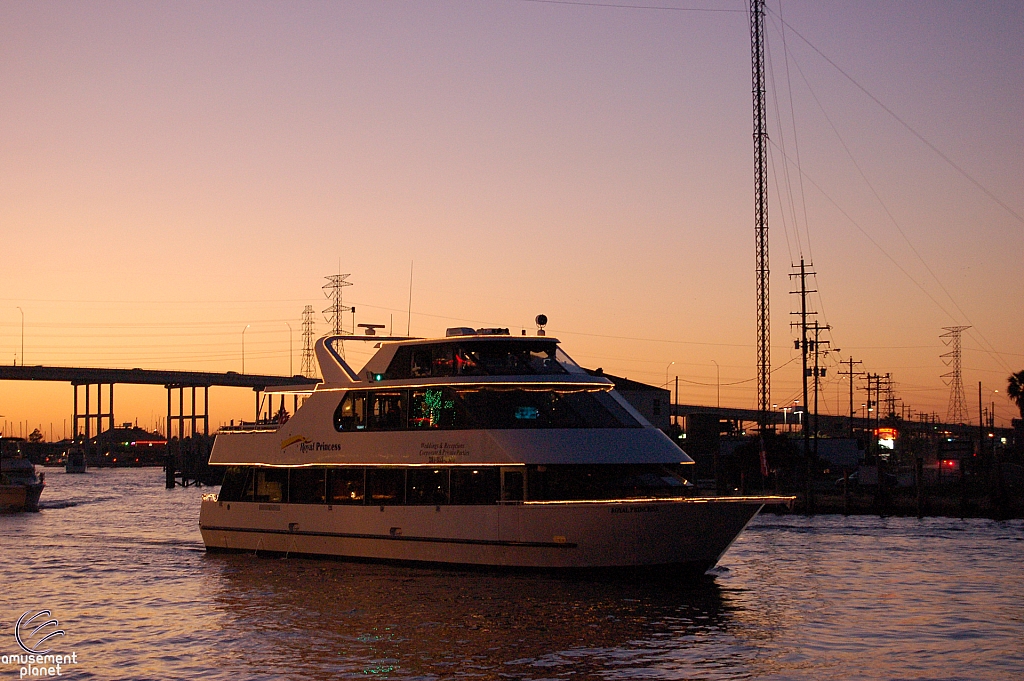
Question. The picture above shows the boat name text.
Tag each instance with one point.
(443, 452)
(319, 447)
(635, 509)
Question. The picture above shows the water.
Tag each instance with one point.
(120, 562)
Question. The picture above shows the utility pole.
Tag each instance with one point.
(981, 429)
(802, 345)
(879, 460)
(851, 374)
(818, 373)
(870, 379)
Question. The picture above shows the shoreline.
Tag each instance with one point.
(948, 505)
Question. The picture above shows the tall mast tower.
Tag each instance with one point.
(764, 362)
(957, 412)
(308, 324)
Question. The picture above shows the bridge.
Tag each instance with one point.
(94, 380)
(829, 425)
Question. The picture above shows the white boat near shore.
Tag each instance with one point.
(76, 460)
(478, 449)
(20, 486)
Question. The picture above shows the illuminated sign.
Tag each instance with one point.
(886, 437)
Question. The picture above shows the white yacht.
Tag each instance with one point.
(75, 461)
(478, 449)
(20, 486)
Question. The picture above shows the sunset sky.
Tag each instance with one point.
(172, 172)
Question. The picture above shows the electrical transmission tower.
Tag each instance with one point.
(332, 289)
(764, 362)
(308, 332)
(957, 412)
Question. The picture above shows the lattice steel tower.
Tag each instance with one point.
(308, 331)
(957, 412)
(332, 289)
(764, 362)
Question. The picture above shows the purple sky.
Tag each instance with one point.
(174, 171)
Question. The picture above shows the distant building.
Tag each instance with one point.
(128, 445)
(653, 403)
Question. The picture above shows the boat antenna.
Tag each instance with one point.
(408, 322)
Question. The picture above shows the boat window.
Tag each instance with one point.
(345, 486)
(433, 408)
(427, 486)
(511, 358)
(480, 408)
(421, 362)
(617, 411)
(515, 409)
(384, 411)
(271, 485)
(443, 360)
(350, 414)
(459, 485)
(528, 357)
(237, 484)
(512, 484)
(604, 481)
(307, 486)
(385, 486)
(475, 486)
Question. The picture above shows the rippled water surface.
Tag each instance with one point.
(119, 561)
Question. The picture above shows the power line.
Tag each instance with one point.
(581, 3)
(906, 125)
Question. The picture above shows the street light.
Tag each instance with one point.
(243, 346)
(666, 373)
(718, 382)
(22, 335)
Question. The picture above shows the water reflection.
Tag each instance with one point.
(120, 561)
(364, 619)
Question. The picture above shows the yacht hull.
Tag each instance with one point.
(688, 533)
(18, 498)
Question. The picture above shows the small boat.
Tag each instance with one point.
(478, 449)
(20, 487)
(75, 462)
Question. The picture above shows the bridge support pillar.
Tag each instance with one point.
(89, 416)
(192, 417)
